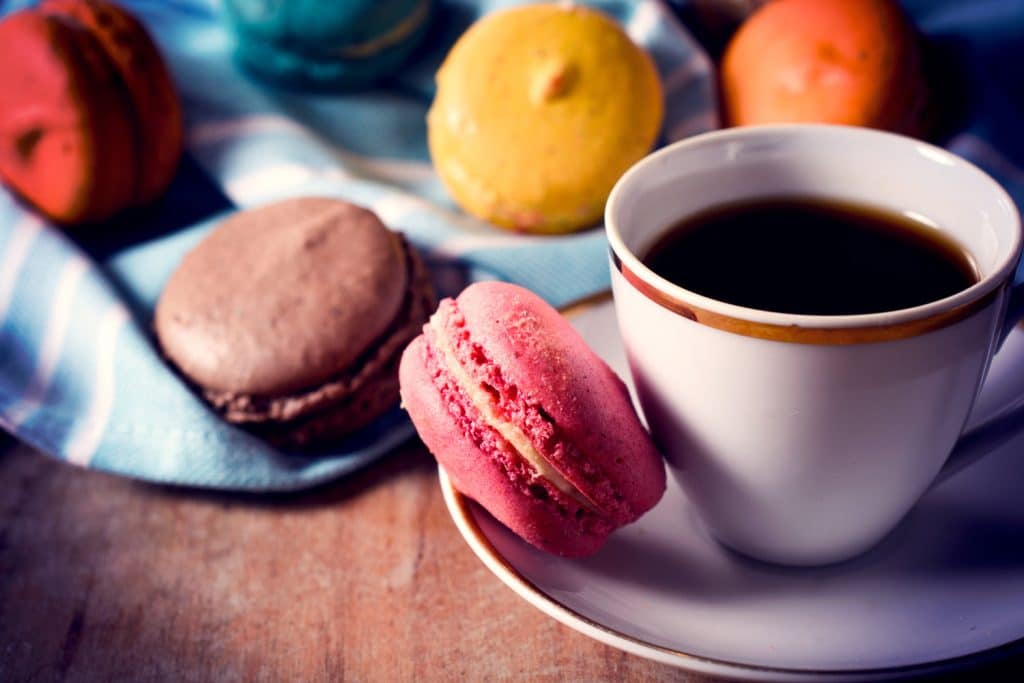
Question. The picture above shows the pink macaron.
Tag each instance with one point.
(528, 421)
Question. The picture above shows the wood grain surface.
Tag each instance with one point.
(367, 579)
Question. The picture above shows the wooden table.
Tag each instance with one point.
(366, 579)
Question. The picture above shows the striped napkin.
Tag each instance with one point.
(80, 377)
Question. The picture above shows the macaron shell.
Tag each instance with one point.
(313, 44)
(154, 98)
(282, 298)
(316, 26)
(539, 110)
(348, 401)
(67, 141)
(541, 354)
(477, 473)
(853, 62)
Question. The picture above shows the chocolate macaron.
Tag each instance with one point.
(291, 318)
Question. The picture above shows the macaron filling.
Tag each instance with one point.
(390, 38)
(520, 422)
(491, 445)
(483, 401)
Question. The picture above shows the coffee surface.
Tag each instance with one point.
(812, 257)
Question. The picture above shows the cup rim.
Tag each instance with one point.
(902, 322)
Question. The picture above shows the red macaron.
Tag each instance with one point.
(528, 421)
(90, 121)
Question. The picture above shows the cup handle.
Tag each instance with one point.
(1004, 425)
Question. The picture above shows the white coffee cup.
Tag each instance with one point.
(805, 439)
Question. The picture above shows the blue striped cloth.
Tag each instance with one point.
(80, 377)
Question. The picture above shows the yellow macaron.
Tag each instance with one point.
(539, 110)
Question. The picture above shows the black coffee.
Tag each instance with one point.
(813, 257)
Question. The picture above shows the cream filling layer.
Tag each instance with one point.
(393, 36)
(481, 400)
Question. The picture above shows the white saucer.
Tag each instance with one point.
(944, 590)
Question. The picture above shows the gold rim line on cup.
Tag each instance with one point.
(798, 334)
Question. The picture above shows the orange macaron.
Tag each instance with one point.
(854, 62)
(90, 122)
(147, 81)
